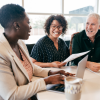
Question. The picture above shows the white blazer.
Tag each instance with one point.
(14, 80)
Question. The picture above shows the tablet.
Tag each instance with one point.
(81, 67)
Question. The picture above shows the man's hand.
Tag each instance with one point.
(93, 66)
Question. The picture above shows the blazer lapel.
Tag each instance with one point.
(14, 56)
(25, 53)
(17, 61)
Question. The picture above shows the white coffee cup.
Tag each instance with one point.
(73, 88)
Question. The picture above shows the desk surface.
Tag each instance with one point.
(90, 86)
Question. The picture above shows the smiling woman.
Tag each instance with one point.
(51, 50)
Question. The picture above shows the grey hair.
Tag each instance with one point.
(97, 16)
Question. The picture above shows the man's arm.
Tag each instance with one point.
(93, 66)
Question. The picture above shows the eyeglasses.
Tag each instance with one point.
(54, 27)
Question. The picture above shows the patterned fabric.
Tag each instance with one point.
(26, 65)
(45, 51)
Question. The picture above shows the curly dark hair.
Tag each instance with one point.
(10, 13)
(61, 19)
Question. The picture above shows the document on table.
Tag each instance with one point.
(74, 56)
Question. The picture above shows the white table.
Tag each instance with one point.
(90, 87)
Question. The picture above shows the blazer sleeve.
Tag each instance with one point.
(9, 90)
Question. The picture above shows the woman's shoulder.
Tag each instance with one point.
(61, 40)
(63, 43)
(42, 40)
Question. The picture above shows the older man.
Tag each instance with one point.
(89, 39)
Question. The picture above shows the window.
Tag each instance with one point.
(43, 6)
(37, 31)
(79, 7)
(75, 12)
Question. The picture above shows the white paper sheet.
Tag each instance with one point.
(74, 56)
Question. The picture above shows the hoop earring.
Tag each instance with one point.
(17, 28)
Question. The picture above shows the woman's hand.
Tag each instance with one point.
(54, 79)
(57, 64)
(93, 66)
(62, 72)
(57, 77)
